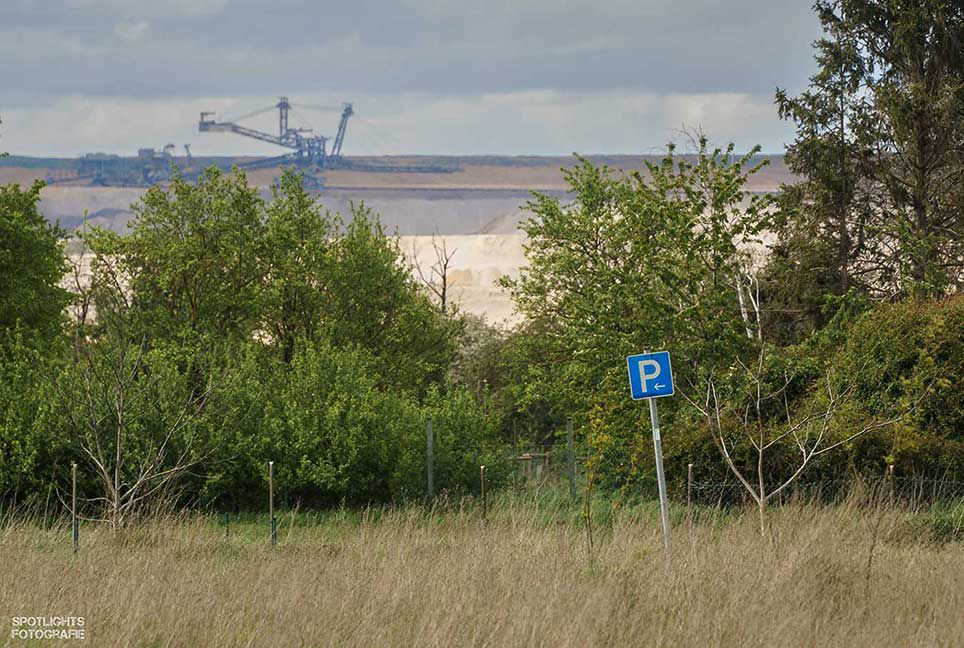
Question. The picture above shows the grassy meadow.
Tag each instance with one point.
(850, 574)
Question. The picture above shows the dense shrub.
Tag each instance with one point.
(908, 358)
(33, 449)
(336, 434)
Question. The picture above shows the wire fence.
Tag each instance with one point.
(541, 467)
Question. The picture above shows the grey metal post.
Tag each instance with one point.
(572, 459)
(430, 457)
(660, 477)
(274, 534)
(485, 505)
(75, 529)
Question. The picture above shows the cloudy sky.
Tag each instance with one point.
(425, 76)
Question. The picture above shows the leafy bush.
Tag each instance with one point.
(908, 358)
(336, 434)
(33, 451)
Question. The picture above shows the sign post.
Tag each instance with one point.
(651, 377)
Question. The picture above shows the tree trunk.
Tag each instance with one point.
(115, 517)
(761, 506)
(761, 498)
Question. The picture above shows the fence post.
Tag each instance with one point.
(689, 492)
(429, 457)
(485, 505)
(274, 529)
(890, 482)
(227, 522)
(75, 528)
(572, 459)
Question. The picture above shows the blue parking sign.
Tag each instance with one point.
(650, 375)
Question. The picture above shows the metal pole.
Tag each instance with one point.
(274, 535)
(689, 492)
(660, 477)
(485, 506)
(73, 507)
(572, 459)
(430, 457)
(890, 482)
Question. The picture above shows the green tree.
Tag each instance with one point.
(636, 262)
(34, 452)
(190, 266)
(297, 259)
(31, 265)
(374, 303)
(348, 284)
(879, 146)
(135, 413)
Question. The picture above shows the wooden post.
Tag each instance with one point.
(689, 492)
(572, 459)
(227, 522)
(430, 458)
(485, 506)
(75, 529)
(274, 534)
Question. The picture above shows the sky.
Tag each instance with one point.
(512, 77)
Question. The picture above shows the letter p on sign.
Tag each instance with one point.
(650, 375)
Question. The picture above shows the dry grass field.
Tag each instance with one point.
(843, 575)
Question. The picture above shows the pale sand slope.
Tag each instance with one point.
(477, 263)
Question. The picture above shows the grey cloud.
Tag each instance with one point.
(193, 47)
(435, 76)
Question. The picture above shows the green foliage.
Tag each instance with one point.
(634, 262)
(288, 335)
(31, 329)
(909, 358)
(33, 449)
(375, 304)
(228, 331)
(31, 266)
(297, 260)
(213, 263)
(336, 434)
(901, 362)
(878, 149)
(190, 261)
(136, 415)
(942, 523)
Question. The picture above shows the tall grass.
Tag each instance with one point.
(851, 574)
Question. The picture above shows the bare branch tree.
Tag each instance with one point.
(813, 432)
(133, 428)
(126, 426)
(436, 279)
